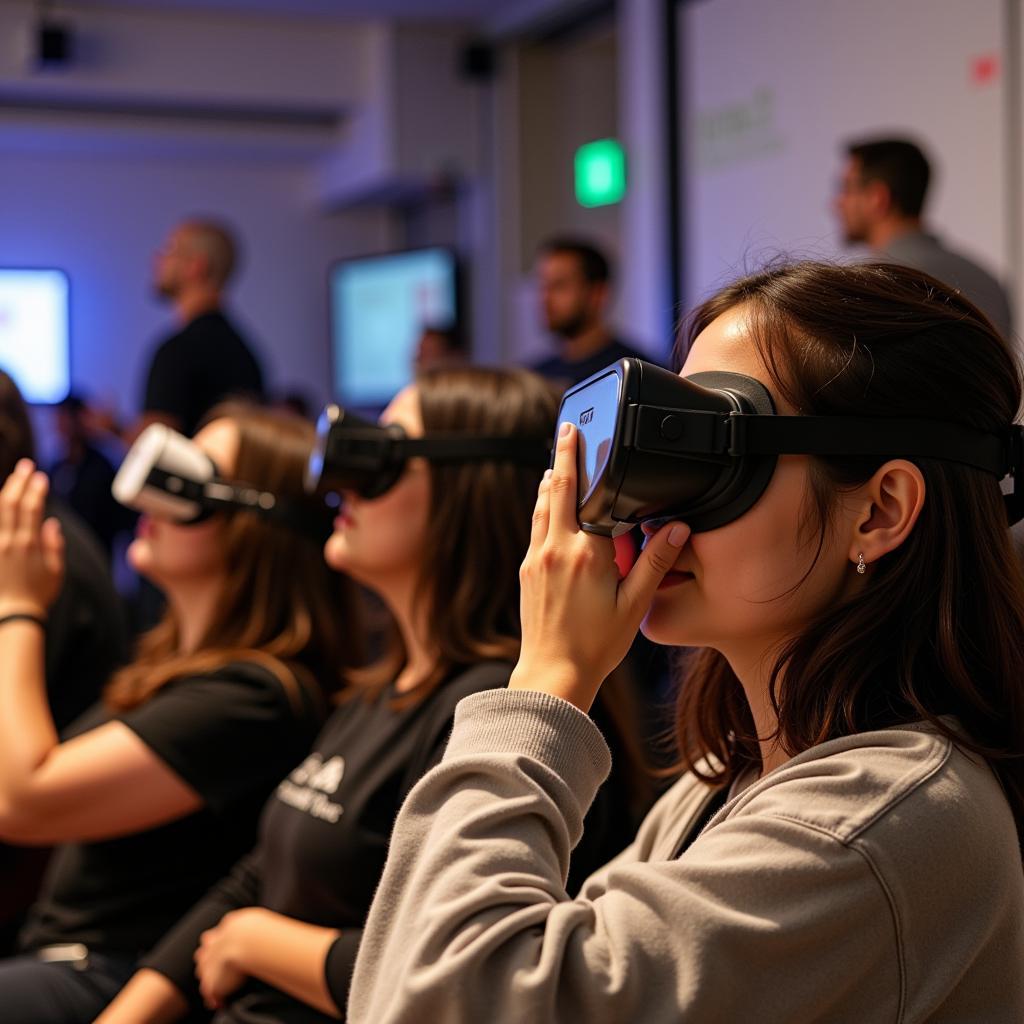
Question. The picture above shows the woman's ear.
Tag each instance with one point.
(892, 501)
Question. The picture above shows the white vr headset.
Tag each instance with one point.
(165, 474)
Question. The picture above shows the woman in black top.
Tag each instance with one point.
(276, 940)
(155, 792)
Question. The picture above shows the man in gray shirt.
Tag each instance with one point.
(879, 202)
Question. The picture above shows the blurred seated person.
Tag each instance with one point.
(879, 204)
(155, 791)
(574, 281)
(82, 476)
(86, 641)
(439, 348)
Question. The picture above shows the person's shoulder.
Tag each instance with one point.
(908, 781)
(206, 326)
(170, 345)
(931, 253)
(241, 681)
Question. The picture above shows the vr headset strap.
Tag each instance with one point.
(525, 451)
(217, 495)
(842, 435)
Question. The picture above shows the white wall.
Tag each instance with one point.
(102, 218)
(771, 90)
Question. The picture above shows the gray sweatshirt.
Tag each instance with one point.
(873, 878)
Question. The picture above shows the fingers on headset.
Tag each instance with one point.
(563, 485)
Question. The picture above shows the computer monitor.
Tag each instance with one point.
(379, 307)
(35, 332)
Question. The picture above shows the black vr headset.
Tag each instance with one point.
(702, 448)
(166, 474)
(355, 455)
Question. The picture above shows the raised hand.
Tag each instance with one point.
(579, 618)
(31, 550)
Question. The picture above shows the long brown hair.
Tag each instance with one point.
(281, 606)
(939, 630)
(477, 536)
(479, 523)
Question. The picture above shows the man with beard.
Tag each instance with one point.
(575, 287)
(206, 360)
(879, 204)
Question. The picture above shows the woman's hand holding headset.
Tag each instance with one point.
(579, 618)
(31, 550)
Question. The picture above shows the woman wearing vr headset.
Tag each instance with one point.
(435, 521)
(844, 845)
(155, 792)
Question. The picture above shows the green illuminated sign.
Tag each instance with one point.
(600, 173)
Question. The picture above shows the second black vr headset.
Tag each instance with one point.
(355, 455)
(168, 475)
(653, 445)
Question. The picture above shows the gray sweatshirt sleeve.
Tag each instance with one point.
(472, 921)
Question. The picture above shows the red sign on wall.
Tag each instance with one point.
(984, 68)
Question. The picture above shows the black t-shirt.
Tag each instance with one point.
(232, 736)
(324, 839)
(562, 372)
(204, 363)
(86, 640)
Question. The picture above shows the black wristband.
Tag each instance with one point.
(23, 617)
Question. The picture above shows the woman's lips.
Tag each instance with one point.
(342, 520)
(144, 527)
(674, 579)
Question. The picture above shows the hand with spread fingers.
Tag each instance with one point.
(579, 618)
(31, 549)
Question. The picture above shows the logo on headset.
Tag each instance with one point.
(586, 416)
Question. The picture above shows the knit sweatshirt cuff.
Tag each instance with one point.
(535, 725)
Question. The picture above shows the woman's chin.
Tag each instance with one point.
(663, 629)
(138, 556)
(336, 552)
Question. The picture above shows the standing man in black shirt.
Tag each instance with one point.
(574, 280)
(206, 360)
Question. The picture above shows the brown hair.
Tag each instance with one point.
(939, 630)
(282, 607)
(477, 537)
(479, 524)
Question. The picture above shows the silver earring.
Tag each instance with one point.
(861, 566)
